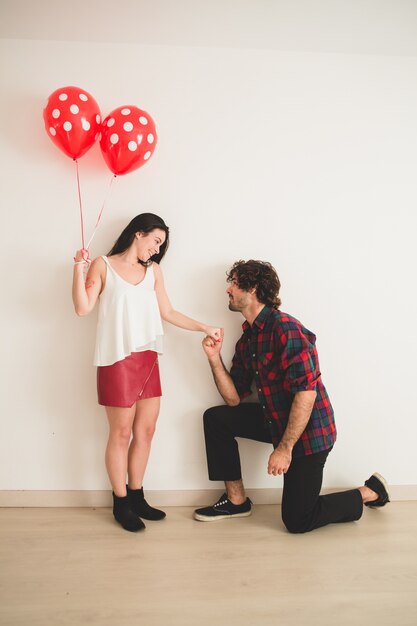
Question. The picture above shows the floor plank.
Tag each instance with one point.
(77, 566)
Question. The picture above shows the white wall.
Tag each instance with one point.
(307, 160)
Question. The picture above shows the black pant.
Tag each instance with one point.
(303, 509)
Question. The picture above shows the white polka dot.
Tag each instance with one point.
(96, 136)
(52, 131)
(99, 136)
(143, 120)
(114, 138)
(139, 139)
(147, 155)
(110, 122)
(83, 97)
(150, 138)
(132, 145)
(125, 111)
(85, 124)
(56, 113)
(67, 125)
(74, 109)
(63, 96)
(128, 126)
(98, 119)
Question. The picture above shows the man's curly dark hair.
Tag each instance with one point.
(258, 275)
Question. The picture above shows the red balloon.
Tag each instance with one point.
(72, 120)
(128, 139)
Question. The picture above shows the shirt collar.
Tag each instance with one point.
(259, 321)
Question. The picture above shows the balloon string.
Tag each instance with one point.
(81, 204)
(101, 211)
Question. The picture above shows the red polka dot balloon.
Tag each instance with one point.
(72, 120)
(128, 139)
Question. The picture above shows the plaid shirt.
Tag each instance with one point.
(280, 356)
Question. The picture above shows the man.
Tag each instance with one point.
(278, 354)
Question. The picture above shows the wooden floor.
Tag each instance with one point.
(77, 566)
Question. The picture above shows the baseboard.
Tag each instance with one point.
(185, 497)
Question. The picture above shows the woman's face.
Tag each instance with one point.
(148, 244)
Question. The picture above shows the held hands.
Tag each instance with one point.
(214, 333)
(212, 344)
(279, 461)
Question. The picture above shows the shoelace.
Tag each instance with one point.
(221, 502)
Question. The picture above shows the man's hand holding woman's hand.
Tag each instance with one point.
(214, 333)
(212, 344)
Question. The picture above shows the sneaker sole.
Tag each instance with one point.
(383, 481)
(209, 518)
(373, 504)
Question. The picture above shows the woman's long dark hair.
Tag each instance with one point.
(145, 223)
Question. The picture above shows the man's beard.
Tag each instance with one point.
(234, 307)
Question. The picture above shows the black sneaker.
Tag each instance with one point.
(378, 484)
(223, 509)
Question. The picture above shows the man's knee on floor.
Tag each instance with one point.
(296, 524)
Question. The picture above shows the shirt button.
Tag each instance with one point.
(254, 354)
(259, 389)
(256, 372)
(263, 406)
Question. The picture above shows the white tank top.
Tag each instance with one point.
(128, 319)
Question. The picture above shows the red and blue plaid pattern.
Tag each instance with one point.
(279, 355)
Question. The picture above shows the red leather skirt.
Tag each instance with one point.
(134, 378)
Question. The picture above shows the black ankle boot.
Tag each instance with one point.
(139, 505)
(124, 515)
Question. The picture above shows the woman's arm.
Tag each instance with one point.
(176, 318)
(85, 292)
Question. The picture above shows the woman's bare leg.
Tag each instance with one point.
(120, 430)
(143, 429)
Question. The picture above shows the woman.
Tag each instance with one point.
(130, 288)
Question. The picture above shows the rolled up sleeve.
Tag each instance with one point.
(299, 361)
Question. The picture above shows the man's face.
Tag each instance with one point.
(238, 299)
